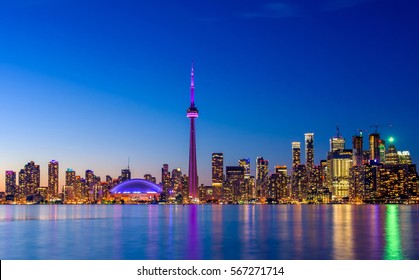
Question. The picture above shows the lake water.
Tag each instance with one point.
(302, 232)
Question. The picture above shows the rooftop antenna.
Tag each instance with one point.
(128, 163)
(337, 131)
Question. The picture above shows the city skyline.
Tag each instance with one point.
(251, 168)
(90, 102)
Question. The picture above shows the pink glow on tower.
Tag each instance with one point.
(192, 113)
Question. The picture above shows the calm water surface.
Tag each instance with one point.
(209, 232)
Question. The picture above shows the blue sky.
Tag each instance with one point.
(91, 83)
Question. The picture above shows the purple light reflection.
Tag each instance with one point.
(193, 234)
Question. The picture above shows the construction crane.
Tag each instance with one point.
(379, 125)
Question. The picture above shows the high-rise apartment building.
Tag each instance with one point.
(234, 186)
(150, 178)
(296, 154)
(217, 168)
(165, 180)
(262, 173)
(373, 140)
(70, 177)
(176, 181)
(262, 168)
(90, 185)
(309, 140)
(299, 182)
(357, 149)
(277, 186)
(217, 174)
(90, 178)
(245, 163)
(185, 188)
(125, 174)
(29, 179)
(11, 183)
(53, 179)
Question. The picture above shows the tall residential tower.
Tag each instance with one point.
(309, 138)
(296, 154)
(217, 173)
(53, 179)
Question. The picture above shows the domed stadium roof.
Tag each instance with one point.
(136, 186)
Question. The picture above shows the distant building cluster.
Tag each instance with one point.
(380, 174)
(77, 189)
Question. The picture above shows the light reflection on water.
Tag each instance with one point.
(393, 249)
(209, 232)
(342, 233)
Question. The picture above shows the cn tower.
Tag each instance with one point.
(192, 113)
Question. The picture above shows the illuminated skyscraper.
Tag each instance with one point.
(217, 174)
(90, 178)
(165, 180)
(29, 179)
(150, 178)
(281, 169)
(296, 154)
(11, 183)
(21, 188)
(357, 182)
(249, 182)
(340, 163)
(176, 181)
(262, 170)
(298, 173)
(70, 177)
(404, 157)
(90, 184)
(337, 142)
(192, 113)
(357, 149)
(53, 179)
(262, 167)
(185, 188)
(299, 183)
(277, 186)
(125, 174)
(217, 168)
(311, 174)
(245, 163)
(234, 186)
(309, 139)
(69, 193)
(382, 149)
(80, 189)
(374, 149)
(391, 156)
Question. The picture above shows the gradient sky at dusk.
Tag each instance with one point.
(91, 83)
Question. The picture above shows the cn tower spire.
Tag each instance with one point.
(192, 114)
(192, 88)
